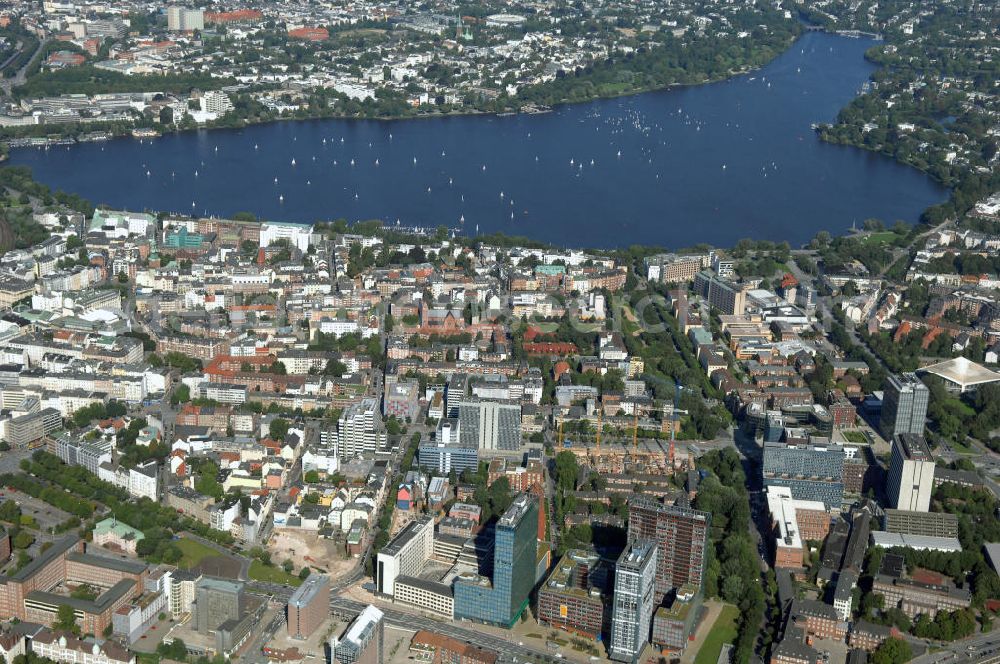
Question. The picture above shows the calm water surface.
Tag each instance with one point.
(712, 163)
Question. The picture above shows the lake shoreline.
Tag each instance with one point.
(673, 167)
(470, 112)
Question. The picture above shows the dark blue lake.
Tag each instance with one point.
(713, 163)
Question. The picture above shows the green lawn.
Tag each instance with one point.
(962, 448)
(855, 437)
(880, 237)
(194, 552)
(722, 632)
(261, 572)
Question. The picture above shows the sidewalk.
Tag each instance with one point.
(713, 609)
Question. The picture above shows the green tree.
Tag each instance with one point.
(66, 619)
(334, 367)
(567, 470)
(892, 651)
(278, 428)
(182, 394)
(176, 650)
(23, 540)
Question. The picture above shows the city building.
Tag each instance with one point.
(183, 19)
(868, 636)
(433, 596)
(672, 268)
(923, 592)
(520, 478)
(360, 429)
(402, 400)
(439, 649)
(812, 472)
(298, 236)
(501, 599)
(929, 524)
(633, 600)
(34, 593)
(911, 473)
(309, 606)
(720, 293)
(447, 452)
(795, 522)
(843, 593)
(110, 532)
(961, 374)
(363, 640)
(490, 425)
(58, 646)
(673, 625)
(817, 619)
(792, 651)
(569, 598)
(216, 601)
(130, 623)
(406, 554)
(681, 537)
(904, 405)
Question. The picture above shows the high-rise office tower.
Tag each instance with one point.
(633, 600)
(904, 405)
(502, 599)
(911, 473)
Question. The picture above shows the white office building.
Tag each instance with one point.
(405, 555)
(632, 602)
(911, 473)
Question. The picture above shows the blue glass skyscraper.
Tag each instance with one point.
(502, 599)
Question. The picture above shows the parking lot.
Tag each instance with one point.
(45, 515)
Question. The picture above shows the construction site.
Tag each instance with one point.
(627, 446)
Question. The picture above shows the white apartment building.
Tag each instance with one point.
(360, 429)
(298, 235)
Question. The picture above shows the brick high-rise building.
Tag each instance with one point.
(309, 606)
(681, 536)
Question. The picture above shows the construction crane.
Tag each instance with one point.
(560, 436)
(635, 433)
(673, 419)
(599, 427)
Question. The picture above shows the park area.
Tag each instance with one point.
(272, 574)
